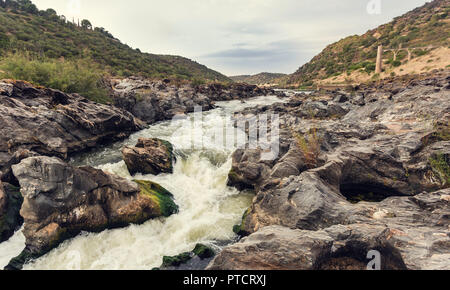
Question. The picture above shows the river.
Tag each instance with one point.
(208, 207)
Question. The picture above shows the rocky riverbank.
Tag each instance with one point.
(41, 128)
(153, 101)
(359, 170)
(60, 201)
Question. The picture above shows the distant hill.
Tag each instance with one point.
(354, 57)
(25, 29)
(259, 79)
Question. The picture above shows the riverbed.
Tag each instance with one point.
(208, 208)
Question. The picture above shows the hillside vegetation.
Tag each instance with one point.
(45, 38)
(264, 78)
(425, 26)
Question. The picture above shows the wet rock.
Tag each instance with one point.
(197, 259)
(383, 163)
(409, 232)
(10, 203)
(335, 248)
(60, 201)
(150, 156)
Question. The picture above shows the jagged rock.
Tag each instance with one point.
(60, 201)
(335, 248)
(150, 156)
(153, 101)
(52, 123)
(7, 160)
(248, 170)
(382, 163)
(409, 232)
(10, 203)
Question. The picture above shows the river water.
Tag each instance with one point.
(208, 208)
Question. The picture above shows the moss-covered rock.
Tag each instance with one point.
(200, 252)
(203, 251)
(240, 229)
(54, 209)
(176, 260)
(162, 197)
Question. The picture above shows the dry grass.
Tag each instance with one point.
(309, 145)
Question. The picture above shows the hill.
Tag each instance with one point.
(43, 34)
(422, 30)
(264, 78)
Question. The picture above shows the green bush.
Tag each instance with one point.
(78, 76)
(396, 63)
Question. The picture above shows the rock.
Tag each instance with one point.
(150, 156)
(153, 101)
(409, 232)
(10, 203)
(60, 201)
(7, 160)
(49, 122)
(336, 248)
(248, 171)
(383, 163)
(293, 163)
(197, 259)
(341, 98)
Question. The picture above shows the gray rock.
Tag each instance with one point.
(381, 166)
(60, 201)
(335, 248)
(150, 156)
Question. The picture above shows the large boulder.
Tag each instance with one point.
(382, 163)
(335, 248)
(150, 156)
(53, 123)
(153, 101)
(409, 232)
(60, 201)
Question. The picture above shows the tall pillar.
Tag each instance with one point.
(379, 66)
(409, 55)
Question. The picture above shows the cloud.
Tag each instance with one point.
(234, 36)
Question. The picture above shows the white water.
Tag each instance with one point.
(208, 208)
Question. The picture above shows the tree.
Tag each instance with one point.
(28, 6)
(86, 24)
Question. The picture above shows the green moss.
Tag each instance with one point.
(240, 229)
(170, 153)
(176, 260)
(200, 250)
(441, 167)
(442, 132)
(204, 252)
(160, 195)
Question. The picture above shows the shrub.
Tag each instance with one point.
(396, 63)
(309, 145)
(440, 166)
(78, 76)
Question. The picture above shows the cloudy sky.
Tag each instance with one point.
(234, 36)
